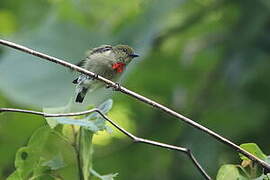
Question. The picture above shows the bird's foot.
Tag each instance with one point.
(94, 77)
(116, 87)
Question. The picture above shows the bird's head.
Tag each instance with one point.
(124, 53)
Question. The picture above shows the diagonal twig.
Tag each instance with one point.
(133, 137)
(139, 97)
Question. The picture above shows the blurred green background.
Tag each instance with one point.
(207, 59)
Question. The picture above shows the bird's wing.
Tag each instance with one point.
(93, 51)
(101, 49)
(80, 63)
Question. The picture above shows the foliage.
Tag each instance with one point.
(51, 155)
(48, 154)
(247, 170)
(206, 59)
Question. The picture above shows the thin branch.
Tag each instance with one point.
(139, 97)
(133, 137)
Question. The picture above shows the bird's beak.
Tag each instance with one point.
(134, 55)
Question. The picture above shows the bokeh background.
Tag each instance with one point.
(207, 59)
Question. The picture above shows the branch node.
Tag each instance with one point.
(136, 140)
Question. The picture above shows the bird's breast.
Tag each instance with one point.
(101, 64)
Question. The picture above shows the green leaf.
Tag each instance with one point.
(52, 121)
(253, 149)
(89, 125)
(263, 177)
(86, 151)
(47, 154)
(14, 176)
(92, 125)
(55, 163)
(105, 107)
(230, 172)
(45, 177)
(103, 177)
(93, 122)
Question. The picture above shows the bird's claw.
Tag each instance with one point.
(116, 87)
(94, 77)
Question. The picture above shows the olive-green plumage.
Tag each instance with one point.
(107, 61)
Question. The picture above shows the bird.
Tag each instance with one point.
(107, 61)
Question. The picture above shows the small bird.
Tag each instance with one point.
(107, 61)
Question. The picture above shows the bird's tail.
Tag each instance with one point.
(81, 94)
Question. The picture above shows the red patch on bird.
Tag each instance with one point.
(119, 67)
